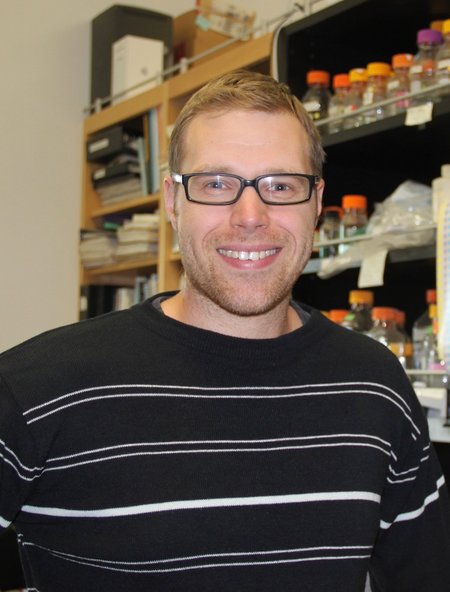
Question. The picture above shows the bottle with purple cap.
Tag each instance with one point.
(422, 73)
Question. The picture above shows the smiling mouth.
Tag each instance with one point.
(247, 255)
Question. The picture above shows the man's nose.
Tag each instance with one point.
(250, 211)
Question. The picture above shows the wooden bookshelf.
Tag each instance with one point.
(168, 98)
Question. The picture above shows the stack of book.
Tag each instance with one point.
(124, 177)
(121, 158)
(97, 248)
(138, 237)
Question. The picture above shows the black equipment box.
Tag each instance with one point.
(113, 24)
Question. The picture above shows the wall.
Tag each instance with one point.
(45, 68)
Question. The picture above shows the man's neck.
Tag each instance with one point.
(205, 314)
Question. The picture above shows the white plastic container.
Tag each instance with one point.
(441, 190)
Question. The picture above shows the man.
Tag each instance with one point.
(223, 438)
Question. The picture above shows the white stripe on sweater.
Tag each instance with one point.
(226, 502)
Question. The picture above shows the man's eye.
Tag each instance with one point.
(216, 185)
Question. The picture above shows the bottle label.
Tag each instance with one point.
(444, 64)
(392, 84)
(417, 69)
(368, 98)
(334, 110)
(311, 106)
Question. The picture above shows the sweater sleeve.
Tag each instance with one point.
(412, 553)
(18, 465)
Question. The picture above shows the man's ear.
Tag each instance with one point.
(169, 200)
(319, 195)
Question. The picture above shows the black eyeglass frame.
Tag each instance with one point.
(184, 180)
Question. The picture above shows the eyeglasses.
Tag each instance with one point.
(220, 189)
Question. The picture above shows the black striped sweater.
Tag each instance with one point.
(141, 454)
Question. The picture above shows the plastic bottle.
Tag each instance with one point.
(443, 61)
(437, 25)
(420, 327)
(330, 230)
(376, 89)
(440, 190)
(353, 101)
(354, 218)
(422, 73)
(317, 97)
(341, 85)
(398, 84)
(432, 360)
(385, 330)
(405, 353)
(359, 317)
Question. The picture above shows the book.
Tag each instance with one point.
(135, 235)
(113, 172)
(143, 168)
(97, 248)
(150, 221)
(153, 138)
(133, 250)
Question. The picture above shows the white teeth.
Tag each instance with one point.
(246, 255)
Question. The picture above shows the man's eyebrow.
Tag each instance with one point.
(229, 170)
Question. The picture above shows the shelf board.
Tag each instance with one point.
(129, 205)
(441, 117)
(136, 266)
(126, 109)
(395, 256)
(242, 55)
(175, 256)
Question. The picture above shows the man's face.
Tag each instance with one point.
(243, 257)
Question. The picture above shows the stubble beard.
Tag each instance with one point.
(241, 293)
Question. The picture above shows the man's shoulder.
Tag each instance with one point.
(64, 338)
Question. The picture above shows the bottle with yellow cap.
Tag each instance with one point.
(443, 61)
(317, 97)
(359, 317)
(354, 218)
(378, 74)
(398, 83)
(353, 101)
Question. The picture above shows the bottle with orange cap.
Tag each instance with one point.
(317, 97)
(354, 218)
(378, 74)
(385, 330)
(405, 349)
(341, 85)
(330, 230)
(421, 327)
(353, 101)
(337, 315)
(398, 83)
(359, 317)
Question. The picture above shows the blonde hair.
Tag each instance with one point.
(243, 89)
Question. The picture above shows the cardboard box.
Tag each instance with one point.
(135, 60)
(189, 40)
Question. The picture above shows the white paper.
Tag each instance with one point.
(371, 272)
